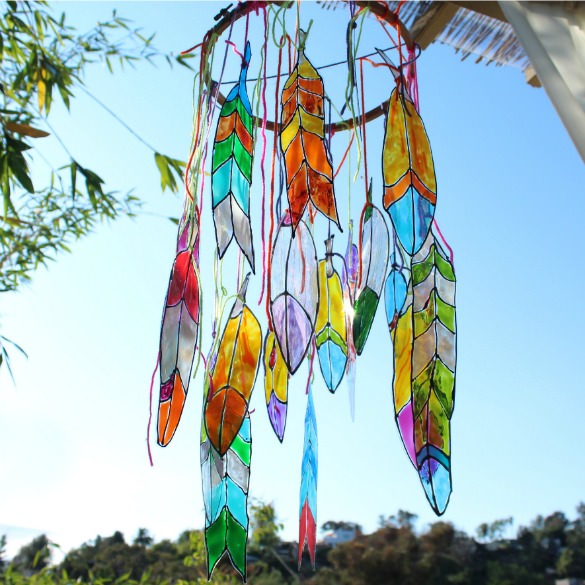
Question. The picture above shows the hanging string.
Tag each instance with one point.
(235, 49)
(364, 123)
(268, 271)
(297, 29)
(280, 17)
(318, 67)
(311, 361)
(440, 234)
(363, 213)
(213, 96)
(344, 156)
(399, 32)
(196, 134)
(263, 157)
(351, 90)
(150, 411)
(397, 252)
(349, 186)
(248, 25)
(212, 103)
(395, 45)
(412, 78)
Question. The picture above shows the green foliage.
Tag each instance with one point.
(4, 354)
(494, 530)
(34, 556)
(143, 538)
(402, 519)
(170, 170)
(2, 551)
(265, 526)
(550, 548)
(41, 58)
(395, 554)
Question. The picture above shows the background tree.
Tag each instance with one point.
(271, 563)
(34, 556)
(571, 562)
(2, 552)
(493, 530)
(393, 555)
(265, 526)
(143, 538)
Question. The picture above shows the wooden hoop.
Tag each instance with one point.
(226, 17)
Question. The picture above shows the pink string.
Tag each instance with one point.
(233, 46)
(436, 225)
(412, 81)
(239, 281)
(263, 157)
(212, 104)
(203, 358)
(313, 350)
(150, 411)
(202, 188)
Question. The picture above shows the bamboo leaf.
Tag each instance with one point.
(25, 130)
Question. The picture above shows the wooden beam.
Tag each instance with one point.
(531, 77)
(431, 24)
(491, 9)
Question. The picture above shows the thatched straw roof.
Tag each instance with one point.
(472, 28)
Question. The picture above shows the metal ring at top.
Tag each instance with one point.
(226, 17)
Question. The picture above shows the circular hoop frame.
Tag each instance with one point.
(226, 17)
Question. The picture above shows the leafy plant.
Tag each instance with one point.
(43, 58)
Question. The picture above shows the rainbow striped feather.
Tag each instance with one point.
(396, 290)
(410, 189)
(349, 283)
(225, 496)
(233, 152)
(179, 334)
(330, 328)
(233, 374)
(308, 494)
(433, 369)
(294, 290)
(275, 385)
(398, 301)
(375, 247)
(309, 174)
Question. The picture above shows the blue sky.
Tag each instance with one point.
(510, 203)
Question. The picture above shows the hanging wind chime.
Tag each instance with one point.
(318, 304)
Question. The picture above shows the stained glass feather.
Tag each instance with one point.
(330, 328)
(398, 298)
(396, 289)
(352, 265)
(233, 152)
(294, 291)
(275, 385)
(308, 494)
(410, 190)
(433, 368)
(179, 333)
(234, 374)
(349, 283)
(375, 247)
(225, 482)
(309, 175)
